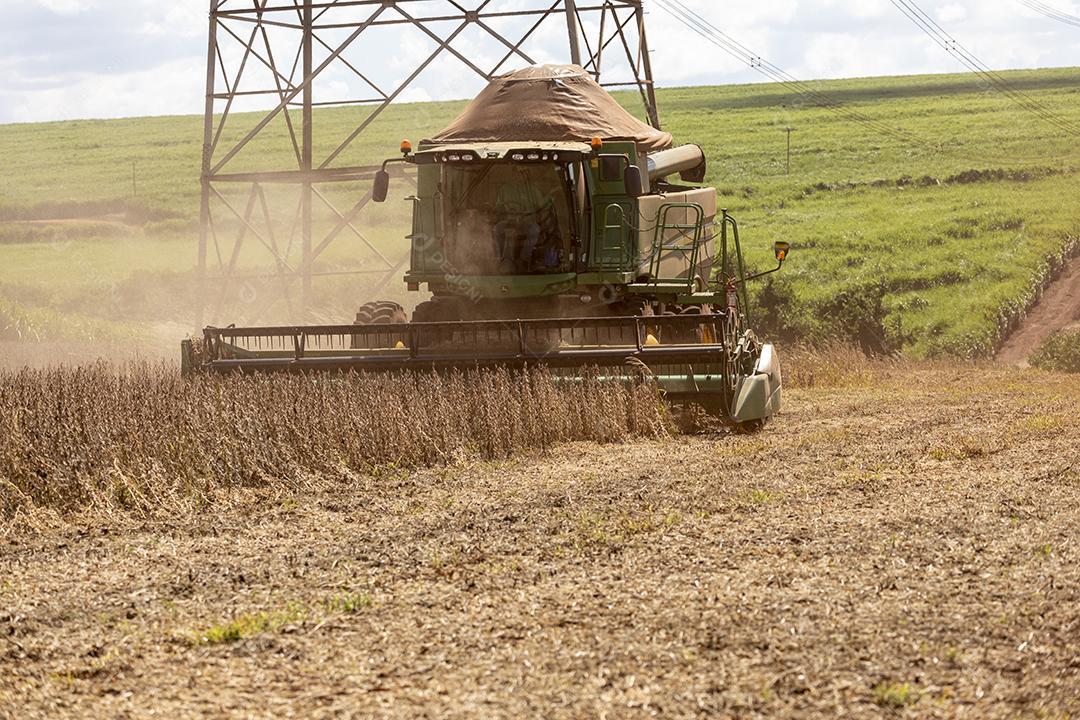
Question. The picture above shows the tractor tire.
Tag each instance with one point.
(381, 312)
(433, 310)
(436, 311)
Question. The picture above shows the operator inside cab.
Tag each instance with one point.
(525, 212)
(508, 219)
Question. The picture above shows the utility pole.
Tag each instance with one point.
(241, 46)
(307, 159)
(789, 130)
(572, 27)
(645, 60)
(205, 222)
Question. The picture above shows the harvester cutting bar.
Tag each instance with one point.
(560, 343)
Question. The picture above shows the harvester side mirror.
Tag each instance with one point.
(382, 186)
(781, 248)
(633, 182)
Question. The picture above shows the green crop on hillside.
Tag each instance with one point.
(929, 246)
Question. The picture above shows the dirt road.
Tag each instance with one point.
(1058, 309)
(901, 547)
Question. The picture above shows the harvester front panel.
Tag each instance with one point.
(678, 352)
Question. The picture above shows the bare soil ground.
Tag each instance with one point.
(904, 546)
(1058, 309)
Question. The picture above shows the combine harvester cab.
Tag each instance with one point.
(549, 232)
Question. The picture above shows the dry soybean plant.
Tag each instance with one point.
(832, 365)
(142, 438)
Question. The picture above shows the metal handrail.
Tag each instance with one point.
(601, 246)
(660, 243)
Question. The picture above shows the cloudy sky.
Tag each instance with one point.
(62, 59)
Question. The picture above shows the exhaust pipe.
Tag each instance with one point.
(687, 160)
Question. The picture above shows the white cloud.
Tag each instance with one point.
(186, 20)
(77, 58)
(837, 55)
(66, 7)
(951, 13)
(162, 90)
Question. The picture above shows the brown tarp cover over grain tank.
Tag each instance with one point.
(549, 103)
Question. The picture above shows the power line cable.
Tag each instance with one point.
(1050, 12)
(701, 26)
(712, 33)
(941, 37)
(953, 46)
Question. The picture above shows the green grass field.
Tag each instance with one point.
(929, 247)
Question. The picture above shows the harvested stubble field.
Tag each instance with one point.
(902, 543)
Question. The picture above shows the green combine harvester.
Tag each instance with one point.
(552, 229)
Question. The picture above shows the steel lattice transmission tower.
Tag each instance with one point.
(280, 187)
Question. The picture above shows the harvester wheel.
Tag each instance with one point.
(432, 311)
(381, 312)
(437, 310)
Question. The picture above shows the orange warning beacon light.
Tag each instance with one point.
(406, 147)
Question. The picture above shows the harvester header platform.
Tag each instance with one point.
(549, 230)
